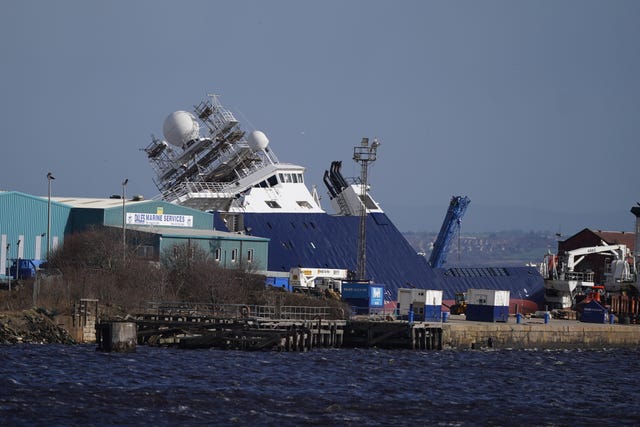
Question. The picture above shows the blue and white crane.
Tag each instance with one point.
(450, 225)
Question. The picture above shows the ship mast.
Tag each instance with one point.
(364, 154)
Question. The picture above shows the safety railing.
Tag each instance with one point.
(240, 311)
(580, 276)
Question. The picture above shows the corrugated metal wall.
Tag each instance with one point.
(24, 218)
(228, 252)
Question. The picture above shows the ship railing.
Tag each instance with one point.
(580, 276)
(238, 311)
(198, 187)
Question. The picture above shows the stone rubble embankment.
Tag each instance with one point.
(32, 327)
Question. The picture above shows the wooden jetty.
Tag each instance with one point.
(264, 328)
(270, 335)
(241, 327)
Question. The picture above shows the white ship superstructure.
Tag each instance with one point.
(229, 170)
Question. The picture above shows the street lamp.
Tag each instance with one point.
(50, 178)
(8, 266)
(17, 260)
(124, 222)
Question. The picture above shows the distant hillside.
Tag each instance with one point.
(480, 218)
(506, 248)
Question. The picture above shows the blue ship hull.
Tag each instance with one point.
(323, 240)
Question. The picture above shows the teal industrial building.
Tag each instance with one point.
(29, 224)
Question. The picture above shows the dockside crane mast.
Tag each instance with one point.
(364, 154)
(451, 224)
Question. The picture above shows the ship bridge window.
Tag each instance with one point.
(369, 203)
(272, 180)
(272, 204)
(295, 178)
(304, 204)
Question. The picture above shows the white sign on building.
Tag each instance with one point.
(159, 219)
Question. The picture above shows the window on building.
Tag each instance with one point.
(250, 255)
(234, 255)
(145, 252)
(272, 204)
(217, 255)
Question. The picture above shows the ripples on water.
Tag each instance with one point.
(75, 385)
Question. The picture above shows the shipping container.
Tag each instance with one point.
(487, 305)
(363, 297)
(426, 303)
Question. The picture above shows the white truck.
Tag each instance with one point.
(319, 279)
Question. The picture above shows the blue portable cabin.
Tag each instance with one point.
(487, 305)
(363, 297)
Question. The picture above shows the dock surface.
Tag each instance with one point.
(534, 333)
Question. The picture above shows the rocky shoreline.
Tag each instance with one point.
(31, 327)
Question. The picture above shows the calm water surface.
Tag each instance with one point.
(75, 385)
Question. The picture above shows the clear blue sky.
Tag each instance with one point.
(530, 108)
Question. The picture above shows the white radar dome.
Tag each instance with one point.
(257, 140)
(180, 127)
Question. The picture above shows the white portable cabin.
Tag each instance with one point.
(487, 305)
(426, 303)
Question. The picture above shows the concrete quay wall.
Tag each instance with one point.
(557, 334)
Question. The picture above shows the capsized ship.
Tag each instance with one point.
(208, 162)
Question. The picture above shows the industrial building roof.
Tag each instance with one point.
(87, 202)
(627, 238)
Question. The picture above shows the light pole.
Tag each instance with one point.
(17, 260)
(50, 178)
(124, 222)
(8, 266)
